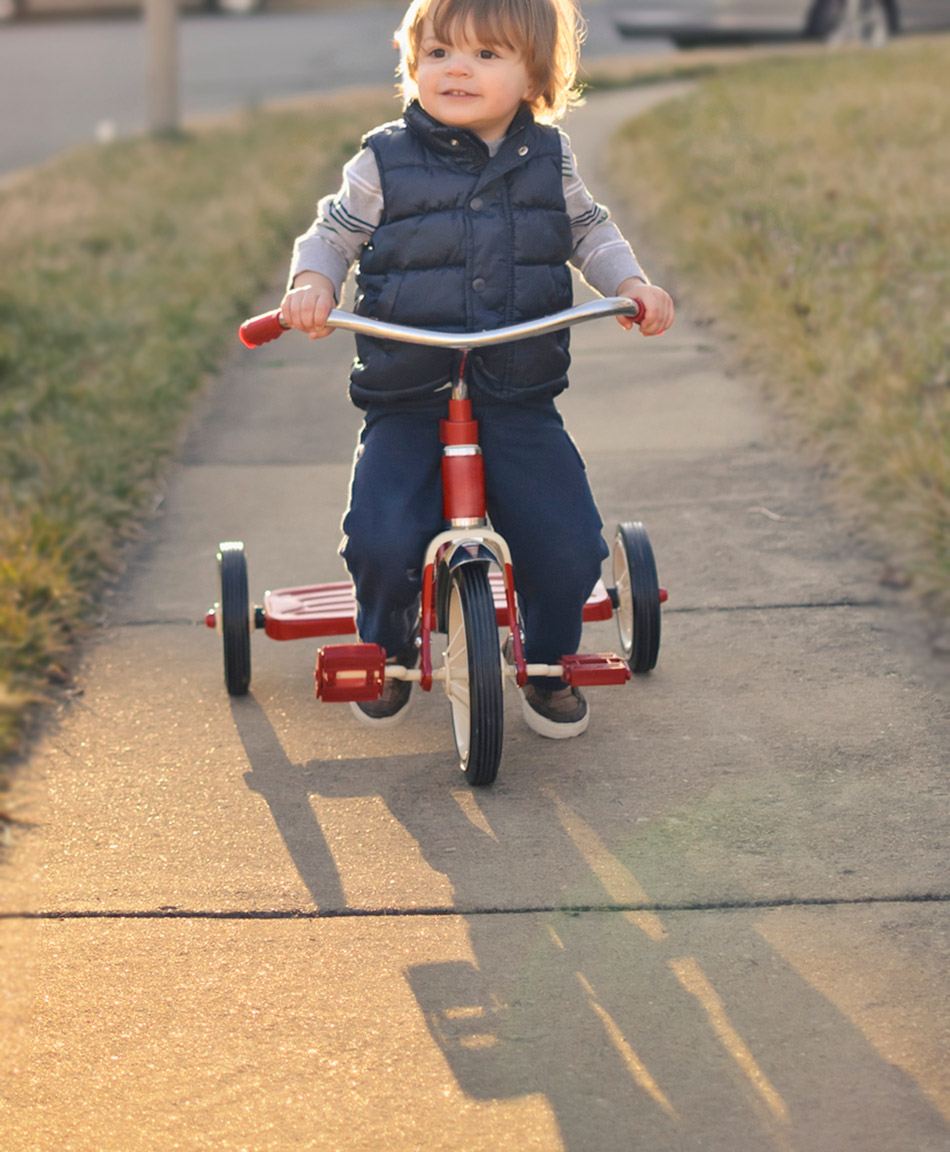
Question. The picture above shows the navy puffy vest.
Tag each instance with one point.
(467, 242)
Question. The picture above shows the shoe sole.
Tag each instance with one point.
(553, 729)
(382, 721)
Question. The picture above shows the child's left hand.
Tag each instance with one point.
(658, 310)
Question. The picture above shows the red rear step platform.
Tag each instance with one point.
(317, 610)
(330, 609)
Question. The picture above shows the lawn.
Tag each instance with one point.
(124, 270)
(802, 203)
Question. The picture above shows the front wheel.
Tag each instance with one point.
(235, 615)
(473, 673)
(637, 597)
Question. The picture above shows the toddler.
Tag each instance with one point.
(464, 215)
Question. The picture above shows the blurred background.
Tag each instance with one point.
(75, 70)
(72, 71)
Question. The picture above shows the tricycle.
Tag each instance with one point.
(469, 598)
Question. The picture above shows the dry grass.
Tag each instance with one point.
(806, 201)
(123, 272)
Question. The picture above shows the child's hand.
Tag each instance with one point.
(658, 310)
(307, 305)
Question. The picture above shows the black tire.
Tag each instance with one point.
(235, 610)
(474, 678)
(637, 597)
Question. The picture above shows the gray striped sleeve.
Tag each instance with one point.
(344, 223)
(601, 254)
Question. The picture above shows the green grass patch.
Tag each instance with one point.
(803, 203)
(123, 273)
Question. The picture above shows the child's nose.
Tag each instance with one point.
(456, 64)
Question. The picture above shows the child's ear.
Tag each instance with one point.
(534, 89)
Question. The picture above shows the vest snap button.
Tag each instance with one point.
(478, 285)
(477, 204)
(523, 150)
(454, 143)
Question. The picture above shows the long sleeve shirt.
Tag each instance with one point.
(346, 220)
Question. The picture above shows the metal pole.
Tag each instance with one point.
(161, 30)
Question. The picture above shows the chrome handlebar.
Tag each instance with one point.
(270, 325)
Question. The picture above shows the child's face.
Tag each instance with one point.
(471, 85)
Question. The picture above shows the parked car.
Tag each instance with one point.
(15, 9)
(690, 23)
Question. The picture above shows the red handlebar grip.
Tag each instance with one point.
(262, 329)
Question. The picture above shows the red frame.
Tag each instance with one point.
(357, 671)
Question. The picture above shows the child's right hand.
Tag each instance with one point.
(658, 309)
(307, 305)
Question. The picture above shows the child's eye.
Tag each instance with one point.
(436, 53)
(486, 54)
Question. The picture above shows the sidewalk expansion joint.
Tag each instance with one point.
(158, 622)
(779, 606)
(173, 913)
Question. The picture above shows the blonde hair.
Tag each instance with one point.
(546, 33)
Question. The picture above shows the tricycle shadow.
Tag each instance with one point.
(637, 1028)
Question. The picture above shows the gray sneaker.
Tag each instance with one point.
(390, 707)
(559, 714)
(392, 704)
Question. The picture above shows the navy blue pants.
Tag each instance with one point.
(538, 499)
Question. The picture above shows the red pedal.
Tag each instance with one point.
(350, 672)
(595, 668)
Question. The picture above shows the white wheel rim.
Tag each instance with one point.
(624, 588)
(455, 661)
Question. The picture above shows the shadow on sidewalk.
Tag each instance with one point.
(640, 1029)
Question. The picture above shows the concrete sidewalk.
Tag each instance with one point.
(718, 920)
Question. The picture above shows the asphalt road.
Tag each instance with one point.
(717, 921)
(64, 83)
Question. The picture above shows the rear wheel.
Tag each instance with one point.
(637, 597)
(235, 615)
(473, 673)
